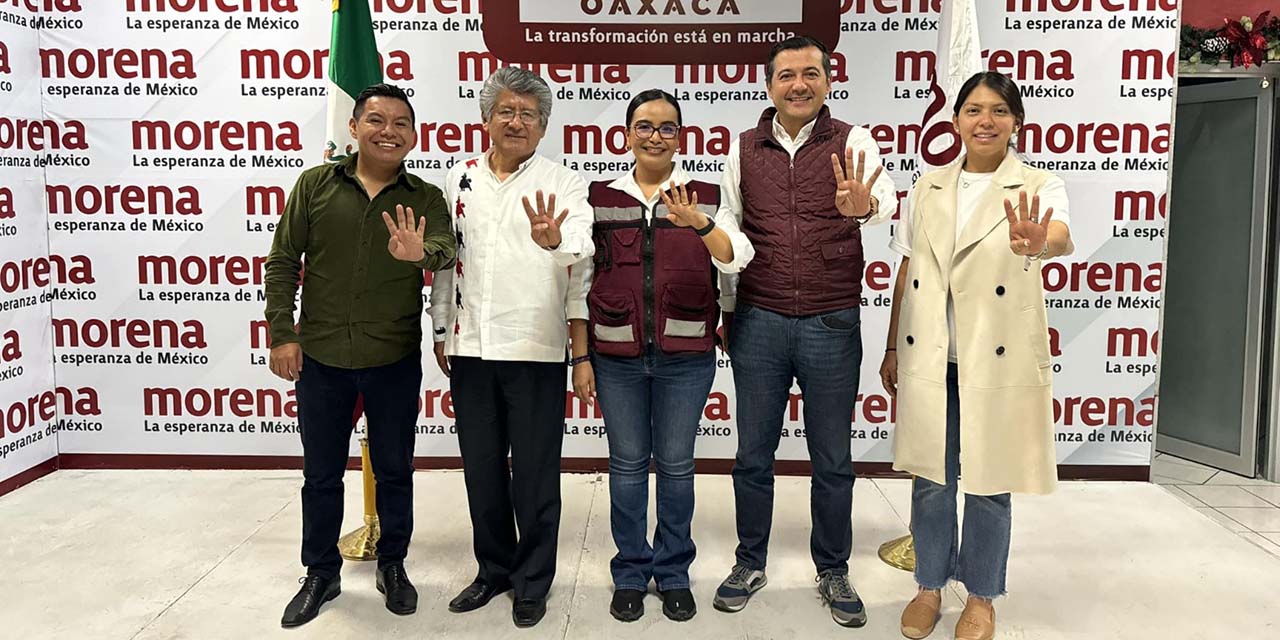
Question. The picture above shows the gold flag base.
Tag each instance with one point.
(899, 553)
(362, 544)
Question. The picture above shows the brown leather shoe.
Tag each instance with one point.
(978, 621)
(921, 614)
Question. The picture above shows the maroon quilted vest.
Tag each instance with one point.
(653, 282)
(808, 257)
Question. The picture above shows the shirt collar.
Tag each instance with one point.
(347, 167)
(780, 132)
(519, 169)
(626, 183)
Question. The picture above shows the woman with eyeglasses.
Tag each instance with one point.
(647, 351)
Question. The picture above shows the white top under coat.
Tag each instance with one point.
(1053, 194)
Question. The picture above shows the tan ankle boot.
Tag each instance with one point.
(921, 614)
(978, 621)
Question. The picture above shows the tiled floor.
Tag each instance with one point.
(165, 555)
(1247, 506)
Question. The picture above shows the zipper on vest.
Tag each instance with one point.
(646, 260)
(795, 240)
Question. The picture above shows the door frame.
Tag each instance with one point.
(1270, 465)
(1246, 462)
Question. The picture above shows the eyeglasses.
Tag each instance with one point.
(526, 117)
(645, 130)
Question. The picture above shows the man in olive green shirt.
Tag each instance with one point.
(359, 333)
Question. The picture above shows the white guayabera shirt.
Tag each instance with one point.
(507, 298)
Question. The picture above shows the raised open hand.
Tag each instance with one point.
(1028, 233)
(544, 225)
(406, 237)
(682, 207)
(853, 194)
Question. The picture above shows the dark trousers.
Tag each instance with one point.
(326, 399)
(516, 408)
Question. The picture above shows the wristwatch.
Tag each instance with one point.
(711, 224)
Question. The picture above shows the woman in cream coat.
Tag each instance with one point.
(968, 353)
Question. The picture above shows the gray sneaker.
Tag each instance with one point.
(837, 593)
(736, 590)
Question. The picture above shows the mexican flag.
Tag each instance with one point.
(353, 65)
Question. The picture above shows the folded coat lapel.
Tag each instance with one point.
(990, 212)
(935, 213)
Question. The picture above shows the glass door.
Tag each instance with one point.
(1215, 267)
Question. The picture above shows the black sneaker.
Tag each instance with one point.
(678, 604)
(627, 605)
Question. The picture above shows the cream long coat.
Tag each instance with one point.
(1002, 342)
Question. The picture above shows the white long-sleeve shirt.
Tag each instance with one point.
(730, 214)
(507, 298)
(742, 249)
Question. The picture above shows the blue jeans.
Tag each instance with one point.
(822, 353)
(652, 406)
(980, 562)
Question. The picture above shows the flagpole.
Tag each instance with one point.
(353, 66)
(957, 57)
(362, 544)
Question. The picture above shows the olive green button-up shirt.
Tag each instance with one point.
(361, 307)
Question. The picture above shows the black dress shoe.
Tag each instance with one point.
(401, 597)
(315, 591)
(627, 605)
(476, 595)
(678, 604)
(527, 612)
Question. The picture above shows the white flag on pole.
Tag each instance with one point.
(958, 56)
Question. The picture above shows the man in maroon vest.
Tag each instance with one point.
(795, 183)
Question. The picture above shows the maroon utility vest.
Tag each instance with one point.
(808, 257)
(654, 282)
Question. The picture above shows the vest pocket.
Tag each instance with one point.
(613, 324)
(603, 257)
(686, 318)
(625, 246)
(680, 250)
(841, 250)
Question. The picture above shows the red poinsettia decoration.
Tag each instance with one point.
(1248, 45)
